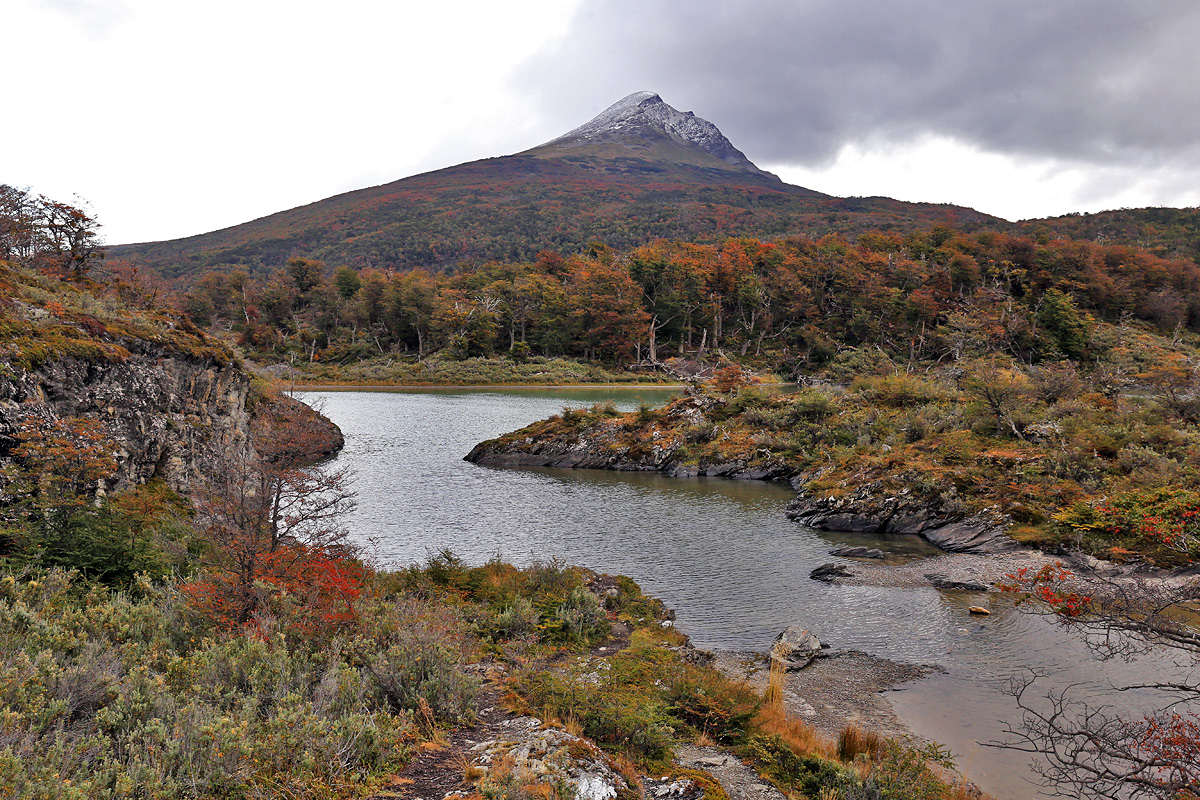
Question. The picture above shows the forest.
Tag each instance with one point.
(790, 305)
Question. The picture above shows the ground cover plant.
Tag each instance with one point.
(394, 370)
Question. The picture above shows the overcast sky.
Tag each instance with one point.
(172, 119)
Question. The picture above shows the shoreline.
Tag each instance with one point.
(849, 686)
(839, 688)
(385, 387)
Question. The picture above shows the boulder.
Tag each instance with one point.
(830, 572)
(551, 760)
(795, 648)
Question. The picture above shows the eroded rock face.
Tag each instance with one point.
(168, 416)
(870, 509)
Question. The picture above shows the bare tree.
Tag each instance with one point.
(1094, 751)
(270, 509)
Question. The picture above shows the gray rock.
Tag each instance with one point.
(846, 551)
(868, 510)
(167, 414)
(942, 582)
(795, 648)
(971, 535)
(828, 573)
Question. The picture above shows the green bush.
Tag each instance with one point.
(625, 716)
(111, 693)
(581, 618)
(807, 774)
(515, 619)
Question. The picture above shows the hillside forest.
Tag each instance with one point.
(792, 305)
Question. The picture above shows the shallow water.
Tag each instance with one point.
(720, 552)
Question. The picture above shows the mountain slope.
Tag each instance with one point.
(1166, 232)
(637, 172)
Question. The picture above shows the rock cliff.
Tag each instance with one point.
(172, 401)
(168, 415)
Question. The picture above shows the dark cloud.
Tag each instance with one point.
(1101, 81)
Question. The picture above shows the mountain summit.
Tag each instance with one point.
(642, 125)
(639, 171)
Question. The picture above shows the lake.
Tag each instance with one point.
(719, 552)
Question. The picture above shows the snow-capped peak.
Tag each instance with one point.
(645, 113)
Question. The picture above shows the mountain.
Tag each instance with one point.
(1165, 232)
(639, 171)
(643, 126)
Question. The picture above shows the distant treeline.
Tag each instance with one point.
(795, 302)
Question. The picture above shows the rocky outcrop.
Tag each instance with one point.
(528, 753)
(604, 443)
(169, 416)
(166, 414)
(871, 509)
(939, 581)
(829, 573)
(684, 441)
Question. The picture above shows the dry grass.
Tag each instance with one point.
(471, 772)
(776, 683)
(853, 742)
(773, 718)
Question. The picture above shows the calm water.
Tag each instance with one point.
(720, 552)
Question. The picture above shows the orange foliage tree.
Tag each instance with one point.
(273, 519)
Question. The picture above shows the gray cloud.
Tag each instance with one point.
(789, 81)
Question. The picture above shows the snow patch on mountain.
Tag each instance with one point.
(642, 114)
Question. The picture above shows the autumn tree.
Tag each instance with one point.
(47, 234)
(1001, 390)
(271, 514)
(55, 510)
(606, 308)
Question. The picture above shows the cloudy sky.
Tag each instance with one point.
(172, 119)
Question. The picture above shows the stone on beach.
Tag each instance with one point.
(795, 648)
